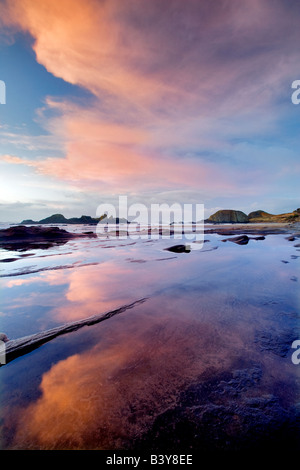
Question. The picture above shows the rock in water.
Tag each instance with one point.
(20, 237)
(240, 239)
(179, 249)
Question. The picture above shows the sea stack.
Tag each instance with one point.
(228, 216)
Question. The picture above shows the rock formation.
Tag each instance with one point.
(233, 216)
(228, 216)
(21, 237)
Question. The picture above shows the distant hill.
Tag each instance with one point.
(220, 217)
(84, 219)
(61, 219)
(260, 216)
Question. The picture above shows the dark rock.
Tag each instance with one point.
(179, 249)
(21, 237)
(20, 232)
(8, 260)
(240, 239)
(18, 347)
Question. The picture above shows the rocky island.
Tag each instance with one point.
(234, 216)
(83, 220)
(61, 219)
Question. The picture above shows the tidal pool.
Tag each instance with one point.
(203, 363)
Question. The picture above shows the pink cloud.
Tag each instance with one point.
(119, 157)
(188, 55)
(165, 79)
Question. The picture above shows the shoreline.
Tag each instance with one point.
(23, 237)
(269, 228)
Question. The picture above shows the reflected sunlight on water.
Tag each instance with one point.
(221, 320)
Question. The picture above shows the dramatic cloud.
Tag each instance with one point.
(146, 51)
(177, 88)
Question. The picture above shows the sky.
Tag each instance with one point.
(163, 101)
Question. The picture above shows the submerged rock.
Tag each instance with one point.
(240, 239)
(179, 249)
(242, 380)
(21, 232)
(279, 344)
(227, 411)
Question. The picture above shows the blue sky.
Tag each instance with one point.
(185, 102)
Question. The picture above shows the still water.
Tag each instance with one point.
(203, 363)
